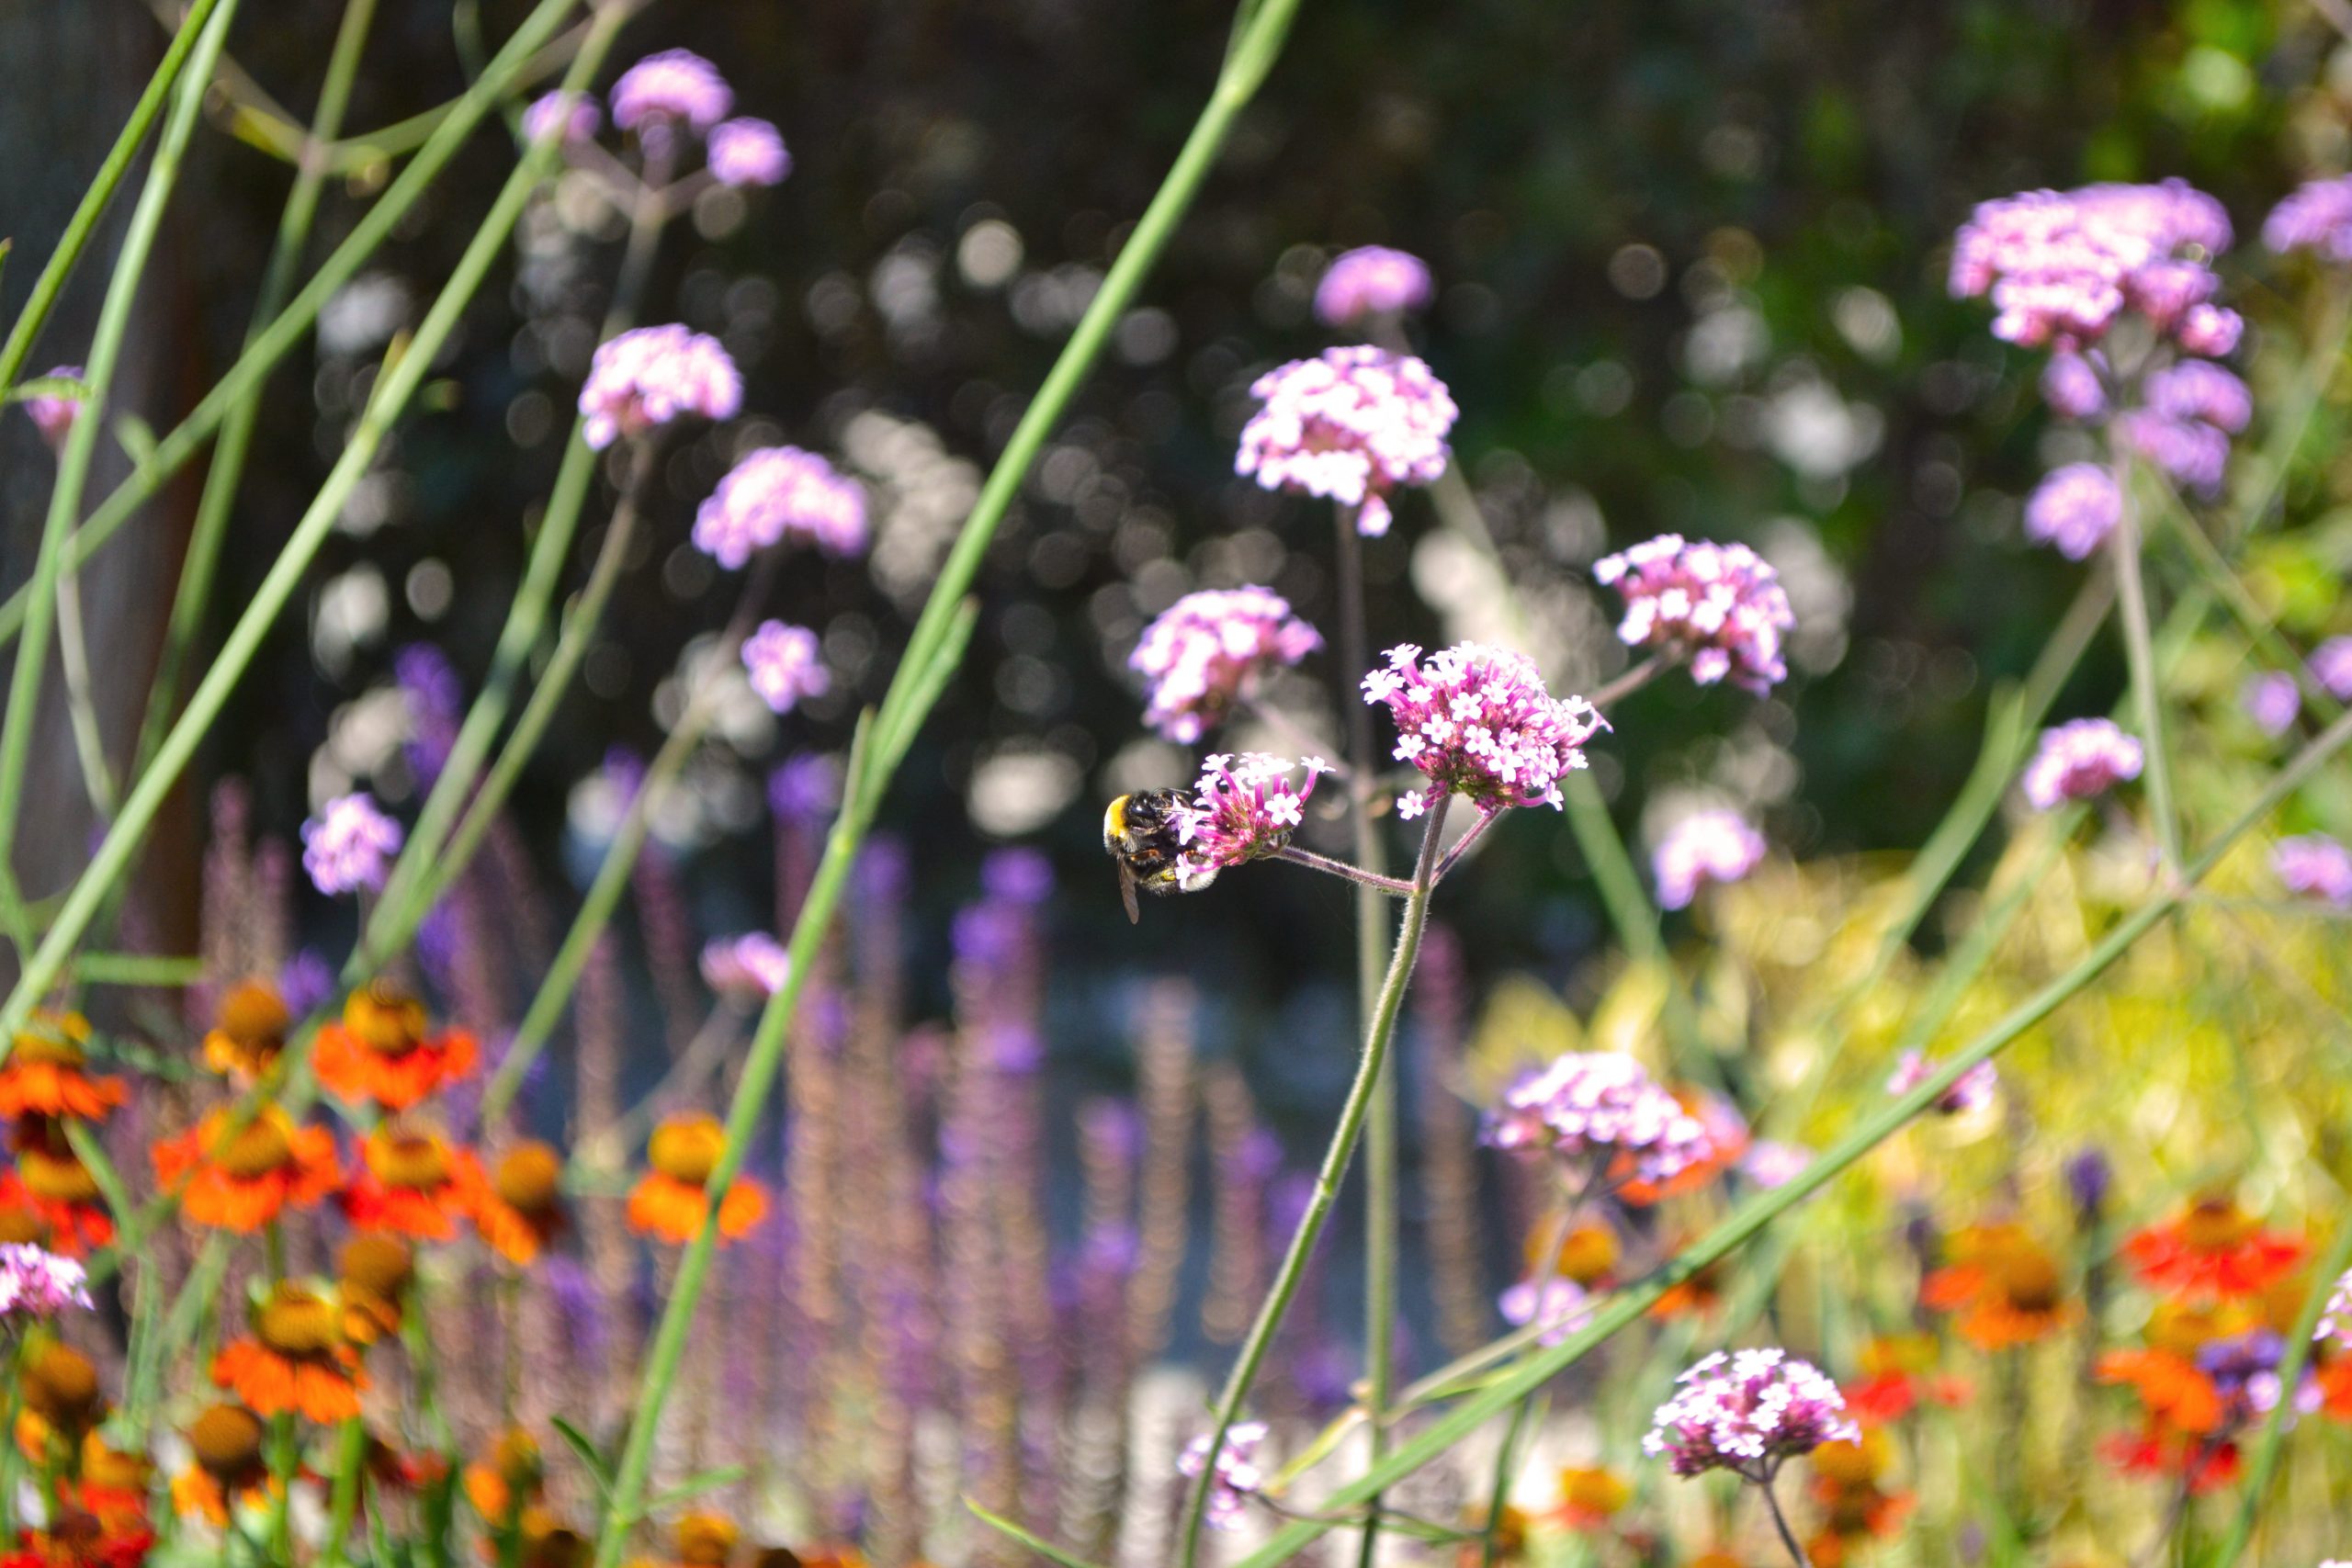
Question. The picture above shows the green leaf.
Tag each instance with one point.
(137, 969)
(72, 387)
(599, 1471)
(696, 1485)
(137, 437)
(1042, 1547)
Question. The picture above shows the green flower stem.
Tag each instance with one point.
(227, 472)
(111, 174)
(398, 384)
(288, 330)
(2138, 646)
(351, 1452)
(2260, 628)
(1507, 1460)
(82, 441)
(934, 650)
(1378, 1036)
(2291, 1374)
(1379, 1156)
(1628, 1306)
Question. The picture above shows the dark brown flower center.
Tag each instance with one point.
(416, 1160)
(296, 1322)
(227, 1441)
(377, 1263)
(527, 1178)
(386, 1019)
(262, 1146)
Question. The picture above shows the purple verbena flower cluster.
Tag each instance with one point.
(1371, 280)
(2272, 699)
(1478, 721)
(568, 116)
(2317, 216)
(2332, 663)
(785, 664)
(1706, 846)
(753, 964)
(1972, 1089)
(1719, 605)
(1208, 650)
(1599, 1111)
(36, 1284)
(2335, 1319)
(1350, 426)
(650, 375)
(349, 845)
(780, 492)
(1243, 808)
(2316, 866)
(2063, 265)
(1237, 1476)
(1561, 1306)
(676, 87)
(2073, 509)
(2079, 760)
(1749, 1412)
(745, 152)
(51, 414)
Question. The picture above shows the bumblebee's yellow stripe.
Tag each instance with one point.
(1115, 820)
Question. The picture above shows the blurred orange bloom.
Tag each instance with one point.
(45, 1074)
(51, 1198)
(411, 1180)
(298, 1358)
(1702, 1292)
(1727, 1140)
(2171, 1386)
(2214, 1249)
(2003, 1283)
(248, 1032)
(1591, 1495)
(225, 1442)
(2205, 1465)
(242, 1179)
(78, 1539)
(520, 1210)
(670, 1201)
(379, 1052)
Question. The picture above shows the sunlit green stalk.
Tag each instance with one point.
(227, 472)
(111, 173)
(351, 1452)
(934, 650)
(2147, 702)
(373, 228)
(395, 388)
(1629, 1306)
(81, 440)
(1378, 1036)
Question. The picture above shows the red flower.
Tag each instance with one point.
(241, 1180)
(2213, 1249)
(380, 1053)
(672, 1200)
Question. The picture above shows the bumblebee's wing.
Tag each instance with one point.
(1128, 892)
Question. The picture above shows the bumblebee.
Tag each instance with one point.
(1139, 835)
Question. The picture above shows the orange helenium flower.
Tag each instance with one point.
(2174, 1389)
(1591, 1495)
(46, 1074)
(241, 1180)
(298, 1358)
(372, 1274)
(1727, 1140)
(248, 1032)
(380, 1053)
(506, 1479)
(226, 1443)
(520, 1210)
(78, 1539)
(2004, 1284)
(670, 1203)
(2214, 1249)
(51, 1197)
(413, 1181)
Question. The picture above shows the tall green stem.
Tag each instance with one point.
(2139, 647)
(1342, 1149)
(1628, 1306)
(81, 440)
(935, 649)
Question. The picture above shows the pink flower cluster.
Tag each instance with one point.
(753, 964)
(1243, 808)
(1600, 1111)
(744, 152)
(775, 493)
(1350, 424)
(675, 87)
(1749, 1412)
(1372, 280)
(650, 375)
(2335, 1320)
(1237, 1477)
(1560, 1306)
(568, 116)
(37, 1284)
(1706, 846)
(2078, 760)
(2332, 663)
(1719, 605)
(1970, 1091)
(1477, 721)
(349, 845)
(2317, 217)
(1208, 650)
(2061, 265)
(2075, 508)
(2188, 411)
(2316, 866)
(54, 415)
(785, 665)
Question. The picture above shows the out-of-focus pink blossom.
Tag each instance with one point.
(2209, 329)
(349, 845)
(2071, 384)
(2078, 760)
(1749, 1412)
(54, 413)
(650, 375)
(2193, 453)
(1350, 426)
(2073, 509)
(2332, 663)
(1602, 1114)
(676, 85)
(2336, 1320)
(785, 665)
(568, 116)
(1769, 1164)
(750, 966)
(776, 494)
(1478, 721)
(1207, 651)
(1243, 808)
(1561, 1306)
(745, 152)
(2316, 218)
(1719, 605)
(2272, 700)
(2059, 267)
(1237, 1477)
(2314, 866)
(1972, 1089)
(1706, 846)
(1371, 280)
(37, 1284)
(2196, 390)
